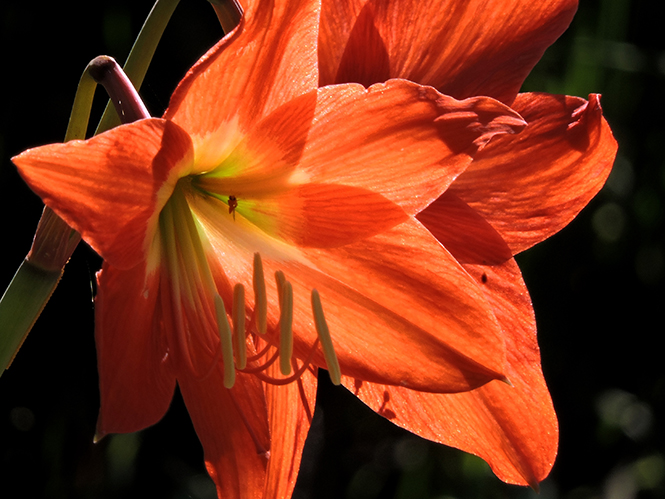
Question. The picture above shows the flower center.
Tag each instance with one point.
(194, 310)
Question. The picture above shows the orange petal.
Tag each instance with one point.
(463, 232)
(365, 59)
(325, 215)
(531, 186)
(267, 61)
(401, 311)
(265, 158)
(233, 427)
(399, 139)
(461, 47)
(111, 187)
(513, 428)
(135, 377)
(337, 21)
(290, 411)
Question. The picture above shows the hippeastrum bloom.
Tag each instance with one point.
(519, 190)
(255, 171)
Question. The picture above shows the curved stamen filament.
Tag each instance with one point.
(264, 366)
(258, 355)
(296, 375)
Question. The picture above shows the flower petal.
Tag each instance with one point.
(463, 232)
(324, 215)
(513, 428)
(398, 291)
(267, 61)
(111, 187)
(399, 139)
(290, 411)
(402, 310)
(529, 187)
(461, 47)
(135, 377)
(232, 425)
(345, 135)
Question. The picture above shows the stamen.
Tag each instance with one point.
(286, 328)
(281, 279)
(260, 298)
(326, 341)
(239, 325)
(264, 366)
(226, 342)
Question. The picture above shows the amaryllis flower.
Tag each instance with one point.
(254, 172)
(519, 190)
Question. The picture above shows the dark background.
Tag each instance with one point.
(597, 288)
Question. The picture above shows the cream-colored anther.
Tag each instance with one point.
(325, 339)
(280, 279)
(226, 342)
(286, 328)
(238, 316)
(260, 297)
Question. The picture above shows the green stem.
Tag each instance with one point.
(39, 274)
(141, 54)
(229, 13)
(20, 306)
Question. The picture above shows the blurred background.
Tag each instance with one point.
(597, 288)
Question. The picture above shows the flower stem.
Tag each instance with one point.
(229, 13)
(141, 54)
(39, 274)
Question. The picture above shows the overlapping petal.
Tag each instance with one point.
(530, 186)
(513, 428)
(461, 47)
(264, 63)
(396, 291)
(405, 139)
(136, 379)
(253, 434)
(232, 425)
(290, 411)
(111, 188)
(519, 190)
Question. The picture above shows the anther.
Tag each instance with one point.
(324, 337)
(286, 328)
(239, 325)
(226, 342)
(260, 298)
(280, 279)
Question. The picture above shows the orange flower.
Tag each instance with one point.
(324, 184)
(519, 190)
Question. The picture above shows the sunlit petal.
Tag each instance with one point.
(529, 187)
(513, 428)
